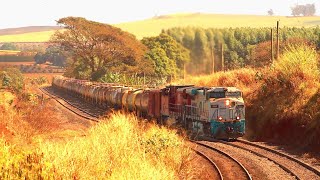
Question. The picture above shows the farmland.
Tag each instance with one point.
(153, 26)
(43, 36)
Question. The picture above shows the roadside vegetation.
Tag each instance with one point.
(282, 99)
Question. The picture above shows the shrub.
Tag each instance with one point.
(11, 78)
(298, 61)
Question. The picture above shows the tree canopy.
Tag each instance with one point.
(305, 10)
(96, 48)
(52, 54)
(168, 56)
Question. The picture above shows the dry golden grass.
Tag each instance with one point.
(241, 78)
(47, 76)
(120, 148)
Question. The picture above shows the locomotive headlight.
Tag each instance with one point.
(227, 102)
(238, 118)
(220, 118)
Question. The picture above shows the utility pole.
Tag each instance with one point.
(212, 57)
(184, 71)
(271, 45)
(278, 41)
(144, 79)
(222, 58)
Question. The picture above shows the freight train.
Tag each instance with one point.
(217, 112)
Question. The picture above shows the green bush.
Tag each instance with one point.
(11, 78)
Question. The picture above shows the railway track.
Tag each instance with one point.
(214, 165)
(74, 108)
(293, 166)
(227, 167)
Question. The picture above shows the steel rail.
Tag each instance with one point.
(227, 155)
(307, 166)
(92, 118)
(261, 155)
(211, 162)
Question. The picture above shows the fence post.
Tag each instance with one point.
(278, 40)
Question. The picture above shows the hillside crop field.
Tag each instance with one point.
(42, 36)
(153, 26)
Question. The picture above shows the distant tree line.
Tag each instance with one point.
(305, 10)
(241, 46)
(8, 46)
(52, 54)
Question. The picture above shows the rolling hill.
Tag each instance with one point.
(153, 26)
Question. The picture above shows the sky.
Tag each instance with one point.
(19, 13)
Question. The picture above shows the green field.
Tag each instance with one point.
(152, 27)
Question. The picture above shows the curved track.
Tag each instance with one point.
(307, 166)
(240, 166)
(300, 170)
(75, 109)
(214, 165)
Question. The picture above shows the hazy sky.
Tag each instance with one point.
(17, 13)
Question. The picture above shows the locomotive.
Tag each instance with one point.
(217, 112)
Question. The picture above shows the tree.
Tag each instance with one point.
(8, 46)
(305, 10)
(39, 58)
(167, 55)
(310, 10)
(200, 43)
(270, 12)
(96, 47)
(53, 54)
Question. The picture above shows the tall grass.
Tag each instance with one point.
(298, 61)
(120, 148)
(241, 78)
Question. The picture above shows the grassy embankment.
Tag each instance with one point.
(153, 26)
(36, 146)
(282, 100)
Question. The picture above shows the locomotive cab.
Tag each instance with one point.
(227, 112)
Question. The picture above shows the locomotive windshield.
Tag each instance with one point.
(235, 94)
(216, 95)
